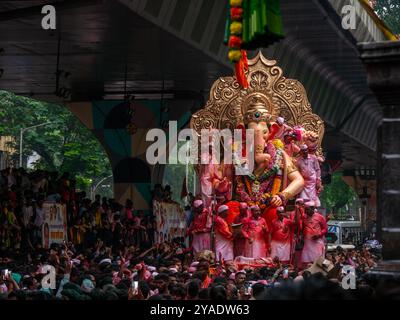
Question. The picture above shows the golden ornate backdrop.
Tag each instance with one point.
(286, 98)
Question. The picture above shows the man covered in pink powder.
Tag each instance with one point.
(240, 220)
(309, 168)
(282, 235)
(314, 231)
(255, 230)
(200, 227)
(223, 235)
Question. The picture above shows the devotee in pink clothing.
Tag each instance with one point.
(314, 231)
(200, 227)
(223, 235)
(255, 230)
(283, 128)
(309, 168)
(282, 235)
(239, 241)
(205, 178)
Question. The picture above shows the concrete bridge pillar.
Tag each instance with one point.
(382, 62)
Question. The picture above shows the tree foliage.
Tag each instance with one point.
(337, 194)
(65, 145)
(389, 12)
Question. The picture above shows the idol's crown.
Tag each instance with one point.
(256, 110)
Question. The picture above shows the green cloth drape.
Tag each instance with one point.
(262, 23)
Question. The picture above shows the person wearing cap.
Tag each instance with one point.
(309, 168)
(291, 148)
(283, 128)
(282, 235)
(239, 241)
(223, 235)
(314, 231)
(256, 232)
(200, 227)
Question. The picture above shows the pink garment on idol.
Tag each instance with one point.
(312, 250)
(223, 239)
(256, 230)
(311, 172)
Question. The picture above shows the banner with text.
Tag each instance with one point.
(54, 229)
(170, 220)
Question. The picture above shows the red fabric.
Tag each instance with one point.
(222, 227)
(244, 60)
(207, 281)
(129, 214)
(253, 227)
(242, 219)
(282, 230)
(315, 226)
(273, 130)
(233, 211)
(240, 68)
(269, 215)
(243, 128)
(199, 222)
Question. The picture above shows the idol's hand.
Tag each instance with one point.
(276, 201)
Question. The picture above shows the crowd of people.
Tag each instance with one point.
(110, 253)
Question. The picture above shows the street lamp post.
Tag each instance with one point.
(93, 189)
(21, 137)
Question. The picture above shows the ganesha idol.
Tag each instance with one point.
(269, 98)
(275, 178)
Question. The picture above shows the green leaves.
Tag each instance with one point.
(65, 145)
(389, 12)
(337, 194)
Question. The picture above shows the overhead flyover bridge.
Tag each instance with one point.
(166, 55)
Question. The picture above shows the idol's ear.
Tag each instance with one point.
(273, 130)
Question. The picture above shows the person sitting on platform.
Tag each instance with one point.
(200, 227)
(223, 235)
(314, 231)
(281, 236)
(255, 230)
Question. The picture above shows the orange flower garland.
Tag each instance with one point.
(236, 54)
